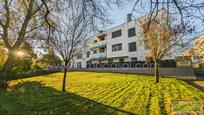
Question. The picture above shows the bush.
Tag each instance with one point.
(21, 66)
(199, 71)
(32, 73)
(168, 63)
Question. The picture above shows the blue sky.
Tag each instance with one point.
(119, 15)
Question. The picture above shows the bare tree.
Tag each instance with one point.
(75, 23)
(22, 20)
(187, 14)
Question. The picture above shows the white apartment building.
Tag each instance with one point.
(122, 43)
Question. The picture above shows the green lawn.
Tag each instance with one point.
(94, 93)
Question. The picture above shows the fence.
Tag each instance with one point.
(136, 64)
(180, 73)
(199, 72)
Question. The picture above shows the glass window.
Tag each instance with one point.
(95, 41)
(87, 54)
(134, 59)
(110, 60)
(79, 56)
(102, 50)
(78, 64)
(131, 32)
(132, 47)
(146, 45)
(117, 47)
(95, 51)
(116, 34)
(121, 60)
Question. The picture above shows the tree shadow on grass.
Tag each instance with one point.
(30, 98)
(198, 83)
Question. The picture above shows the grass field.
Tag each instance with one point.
(94, 93)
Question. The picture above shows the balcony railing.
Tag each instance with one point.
(98, 55)
(98, 44)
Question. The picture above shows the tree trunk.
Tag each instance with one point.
(7, 70)
(64, 78)
(156, 71)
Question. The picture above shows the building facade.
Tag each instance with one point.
(122, 43)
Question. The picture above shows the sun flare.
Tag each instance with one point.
(20, 53)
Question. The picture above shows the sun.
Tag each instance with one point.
(20, 53)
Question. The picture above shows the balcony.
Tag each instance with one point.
(99, 44)
(98, 55)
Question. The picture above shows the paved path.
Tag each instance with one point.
(198, 83)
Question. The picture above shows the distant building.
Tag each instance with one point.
(196, 53)
(199, 46)
(198, 56)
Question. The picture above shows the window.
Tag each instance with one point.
(133, 59)
(78, 64)
(102, 50)
(102, 37)
(117, 47)
(131, 32)
(95, 51)
(121, 60)
(116, 34)
(87, 54)
(79, 56)
(110, 61)
(132, 47)
(95, 41)
(146, 45)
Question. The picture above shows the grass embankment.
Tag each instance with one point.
(95, 93)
